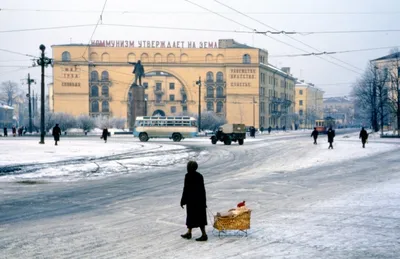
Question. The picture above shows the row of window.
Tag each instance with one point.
(167, 123)
(210, 77)
(220, 107)
(274, 81)
(94, 76)
(144, 57)
(105, 106)
(94, 91)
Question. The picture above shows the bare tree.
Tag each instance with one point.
(86, 122)
(211, 121)
(10, 92)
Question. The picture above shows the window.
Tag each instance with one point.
(220, 107)
(220, 92)
(172, 97)
(171, 86)
(158, 98)
(301, 112)
(210, 92)
(104, 91)
(184, 98)
(301, 102)
(94, 76)
(158, 86)
(173, 109)
(104, 76)
(210, 106)
(65, 57)
(301, 92)
(220, 77)
(184, 108)
(246, 59)
(145, 85)
(146, 97)
(95, 106)
(105, 106)
(210, 77)
(94, 91)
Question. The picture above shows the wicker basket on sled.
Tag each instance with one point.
(239, 222)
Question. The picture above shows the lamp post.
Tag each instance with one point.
(29, 101)
(145, 106)
(198, 82)
(43, 62)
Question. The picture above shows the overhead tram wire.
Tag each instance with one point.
(95, 28)
(17, 53)
(258, 21)
(303, 33)
(191, 12)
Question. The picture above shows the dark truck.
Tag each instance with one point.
(228, 133)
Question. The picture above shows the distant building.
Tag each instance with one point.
(237, 81)
(308, 104)
(341, 109)
(6, 116)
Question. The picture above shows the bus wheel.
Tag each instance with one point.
(176, 137)
(143, 137)
(240, 141)
(227, 140)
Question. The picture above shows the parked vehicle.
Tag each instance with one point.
(175, 128)
(228, 133)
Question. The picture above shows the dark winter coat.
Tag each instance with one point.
(331, 135)
(104, 135)
(314, 134)
(194, 197)
(363, 135)
(56, 133)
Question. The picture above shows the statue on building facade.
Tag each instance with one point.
(138, 71)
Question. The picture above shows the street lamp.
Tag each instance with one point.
(43, 62)
(145, 106)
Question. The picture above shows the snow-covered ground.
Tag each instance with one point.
(307, 201)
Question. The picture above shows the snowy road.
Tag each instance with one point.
(307, 201)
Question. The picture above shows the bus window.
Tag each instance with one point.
(194, 124)
(138, 123)
(178, 123)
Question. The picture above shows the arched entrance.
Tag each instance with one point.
(158, 113)
(162, 93)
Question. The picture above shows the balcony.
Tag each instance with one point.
(159, 91)
(101, 98)
(276, 100)
(159, 103)
(276, 113)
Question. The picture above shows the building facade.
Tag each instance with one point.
(390, 70)
(341, 109)
(236, 81)
(308, 104)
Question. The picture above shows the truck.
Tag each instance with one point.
(228, 133)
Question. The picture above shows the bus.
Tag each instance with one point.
(322, 126)
(172, 127)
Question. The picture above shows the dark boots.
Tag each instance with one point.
(202, 238)
(187, 235)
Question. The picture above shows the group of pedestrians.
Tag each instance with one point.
(20, 131)
(331, 135)
(56, 132)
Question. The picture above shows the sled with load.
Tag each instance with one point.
(237, 219)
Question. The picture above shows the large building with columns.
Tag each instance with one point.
(237, 82)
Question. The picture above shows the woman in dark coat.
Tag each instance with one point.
(194, 197)
(363, 136)
(105, 135)
(56, 133)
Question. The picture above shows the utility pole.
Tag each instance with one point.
(199, 84)
(29, 99)
(43, 61)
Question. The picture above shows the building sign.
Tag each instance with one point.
(155, 44)
(70, 73)
(242, 77)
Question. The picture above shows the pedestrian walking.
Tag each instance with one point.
(269, 129)
(262, 130)
(56, 134)
(331, 135)
(363, 136)
(252, 132)
(194, 197)
(14, 131)
(5, 131)
(314, 134)
(104, 135)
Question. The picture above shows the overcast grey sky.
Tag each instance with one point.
(288, 15)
